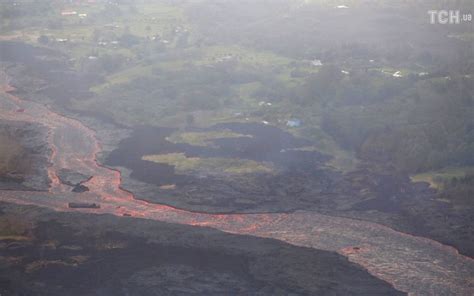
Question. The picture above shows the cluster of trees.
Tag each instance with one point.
(400, 32)
(10, 9)
(102, 64)
(189, 88)
(15, 15)
(167, 92)
(459, 189)
(416, 124)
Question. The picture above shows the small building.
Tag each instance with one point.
(68, 12)
(111, 26)
(293, 123)
(397, 74)
(316, 63)
(225, 58)
(83, 205)
(263, 103)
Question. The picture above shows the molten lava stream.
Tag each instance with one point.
(413, 264)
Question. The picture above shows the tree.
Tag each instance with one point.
(111, 63)
(43, 39)
(190, 119)
(129, 40)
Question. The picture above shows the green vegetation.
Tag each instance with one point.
(437, 179)
(212, 166)
(178, 64)
(419, 125)
(213, 54)
(202, 138)
(454, 184)
(122, 77)
(459, 190)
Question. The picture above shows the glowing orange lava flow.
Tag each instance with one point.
(412, 264)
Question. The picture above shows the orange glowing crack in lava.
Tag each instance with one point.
(416, 265)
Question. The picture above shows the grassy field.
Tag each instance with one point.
(437, 178)
(210, 166)
(213, 54)
(202, 138)
(155, 19)
(168, 21)
(122, 77)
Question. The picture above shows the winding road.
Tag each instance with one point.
(416, 265)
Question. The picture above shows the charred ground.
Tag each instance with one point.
(80, 254)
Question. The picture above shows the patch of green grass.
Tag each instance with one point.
(160, 9)
(245, 93)
(155, 19)
(342, 160)
(213, 54)
(202, 138)
(123, 77)
(438, 177)
(211, 166)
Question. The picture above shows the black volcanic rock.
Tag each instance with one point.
(35, 149)
(83, 205)
(72, 178)
(106, 255)
(80, 188)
